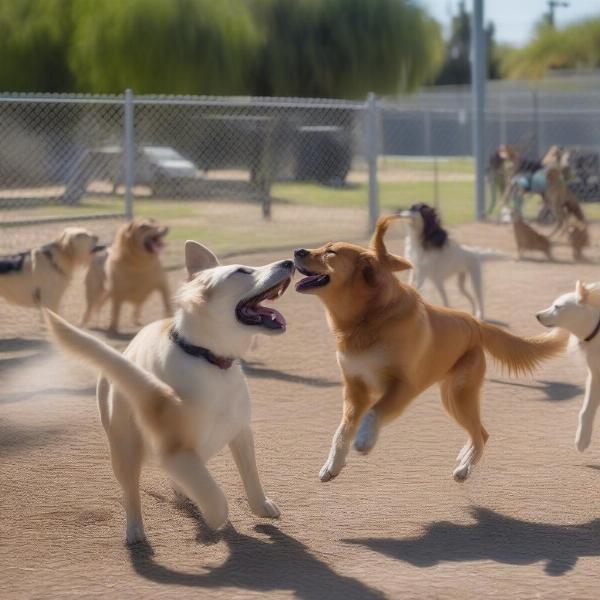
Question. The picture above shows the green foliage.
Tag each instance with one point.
(346, 48)
(326, 48)
(34, 41)
(577, 45)
(456, 69)
(163, 46)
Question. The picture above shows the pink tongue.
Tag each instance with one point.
(269, 313)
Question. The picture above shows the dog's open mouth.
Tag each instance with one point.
(251, 312)
(154, 243)
(312, 280)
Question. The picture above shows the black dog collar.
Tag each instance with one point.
(592, 335)
(200, 352)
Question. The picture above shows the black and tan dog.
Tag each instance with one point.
(42, 275)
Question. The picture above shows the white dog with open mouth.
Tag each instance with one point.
(178, 388)
(579, 313)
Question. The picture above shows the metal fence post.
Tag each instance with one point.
(536, 122)
(478, 78)
(432, 155)
(372, 146)
(129, 153)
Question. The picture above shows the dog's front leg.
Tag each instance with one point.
(242, 449)
(356, 400)
(588, 412)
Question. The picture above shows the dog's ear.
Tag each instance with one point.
(368, 269)
(581, 291)
(397, 263)
(198, 258)
(391, 261)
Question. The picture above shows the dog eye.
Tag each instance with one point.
(244, 271)
(329, 254)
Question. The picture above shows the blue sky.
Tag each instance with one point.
(514, 19)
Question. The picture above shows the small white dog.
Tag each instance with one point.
(178, 388)
(579, 313)
(437, 257)
(42, 275)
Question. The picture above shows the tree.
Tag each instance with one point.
(158, 46)
(34, 41)
(574, 46)
(457, 65)
(345, 48)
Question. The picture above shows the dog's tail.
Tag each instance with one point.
(521, 355)
(151, 400)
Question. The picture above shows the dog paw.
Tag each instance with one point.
(135, 533)
(329, 471)
(367, 433)
(266, 508)
(582, 440)
(461, 472)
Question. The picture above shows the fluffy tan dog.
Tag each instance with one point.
(392, 346)
(129, 271)
(42, 275)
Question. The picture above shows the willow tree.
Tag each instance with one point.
(34, 43)
(158, 46)
(345, 48)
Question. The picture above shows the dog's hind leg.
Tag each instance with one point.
(476, 282)
(126, 452)
(460, 396)
(588, 412)
(191, 476)
(242, 449)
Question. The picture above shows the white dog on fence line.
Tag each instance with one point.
(579, 313)
(437, 257)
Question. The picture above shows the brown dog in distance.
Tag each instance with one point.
(129, 271)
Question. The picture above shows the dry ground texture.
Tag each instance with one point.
(394, 524)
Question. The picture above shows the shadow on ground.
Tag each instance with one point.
(256, 370)
(18, 438)
(22, 396)
(553, 390)
(17, 344)
(274, 562)
(494, 537)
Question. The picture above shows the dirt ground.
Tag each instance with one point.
(393, 524)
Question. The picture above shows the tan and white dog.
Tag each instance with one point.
(392, 345)
(42, 275)
(129, 271)
(579, 313)
(178, 389)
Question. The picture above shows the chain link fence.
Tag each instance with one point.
(243, 174)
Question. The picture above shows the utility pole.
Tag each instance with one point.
(478, 78)
(552, 6)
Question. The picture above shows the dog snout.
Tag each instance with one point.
(301, 252)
